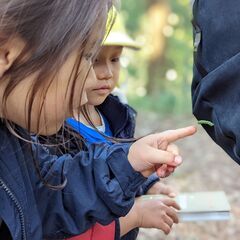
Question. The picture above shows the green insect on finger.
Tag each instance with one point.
(205, 122)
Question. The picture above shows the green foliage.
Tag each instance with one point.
(172, 94)
(164, 103)
(133, 11)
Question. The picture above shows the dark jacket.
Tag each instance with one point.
(121, 117)
(216, 75)
(33, 211)
(122, 121)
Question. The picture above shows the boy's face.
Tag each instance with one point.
(107, 68)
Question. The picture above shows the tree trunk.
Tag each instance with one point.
(157, 14)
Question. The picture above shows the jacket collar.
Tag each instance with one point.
(115, 112)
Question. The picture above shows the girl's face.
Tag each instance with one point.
(51, 103)
(56, 104)
(107, 68)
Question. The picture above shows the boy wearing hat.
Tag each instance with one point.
(107, 117)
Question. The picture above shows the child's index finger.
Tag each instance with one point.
(174, 135)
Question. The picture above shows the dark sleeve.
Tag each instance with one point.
(151, 180)
(101, 186)
(216, 75)
(117, 230)
(132, 235)
(4, 231)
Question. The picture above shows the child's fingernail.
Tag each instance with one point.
(173, 195)
(178, 159)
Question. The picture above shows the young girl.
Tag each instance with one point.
(114, 119)
(45, 49)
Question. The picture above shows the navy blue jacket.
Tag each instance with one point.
(121, 117)
(99, 188)
(216, 75)
(122, 121)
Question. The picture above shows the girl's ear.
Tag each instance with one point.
(9, 53)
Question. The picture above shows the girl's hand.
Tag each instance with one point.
(151, 213)
(164, 170)
(149, 153)
(161, 188)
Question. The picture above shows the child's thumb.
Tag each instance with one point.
(158, 156)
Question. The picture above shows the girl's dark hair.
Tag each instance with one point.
(51, 31)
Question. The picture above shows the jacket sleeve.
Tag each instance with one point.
(101, 186)
(132, 235)
(151, 180)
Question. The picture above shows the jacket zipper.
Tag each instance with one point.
(17, 204)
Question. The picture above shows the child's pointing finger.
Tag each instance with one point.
(174, 135)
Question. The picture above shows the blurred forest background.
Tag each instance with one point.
(159, 75)
(157, 80)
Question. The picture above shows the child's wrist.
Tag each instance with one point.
(128, 223)
(136, 214)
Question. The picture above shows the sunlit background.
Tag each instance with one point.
(159, 75)
(157, 81)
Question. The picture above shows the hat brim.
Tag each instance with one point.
(121, 39)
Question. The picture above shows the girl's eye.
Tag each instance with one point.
(116, 59)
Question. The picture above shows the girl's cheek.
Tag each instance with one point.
(84, 99)
(91, 80)
(80, 100)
